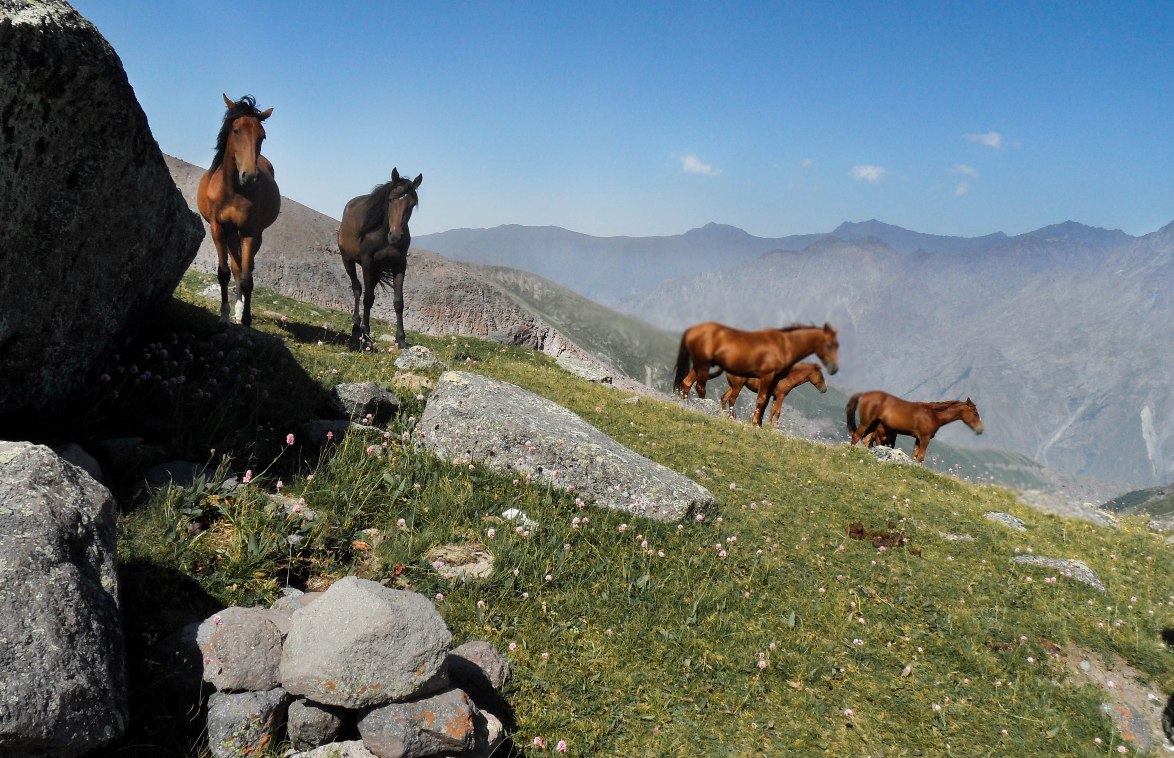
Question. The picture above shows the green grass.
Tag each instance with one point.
(750, 633)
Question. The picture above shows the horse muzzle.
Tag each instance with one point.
(245, 178)
(833, 369)
(978, 429)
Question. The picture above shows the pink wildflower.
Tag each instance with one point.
(289, 439)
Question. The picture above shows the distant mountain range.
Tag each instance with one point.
(1062, 336)
(611, 269)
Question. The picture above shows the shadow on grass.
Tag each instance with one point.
(187, 388)
(161, 610)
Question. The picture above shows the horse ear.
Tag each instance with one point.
(395, 174)
(265, 114)
(227, 100)
(417, 181)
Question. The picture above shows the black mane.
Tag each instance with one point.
(376, 216)
(246, 106)
(796, 327)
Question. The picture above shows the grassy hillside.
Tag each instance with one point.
(765, 630)
(648, 353)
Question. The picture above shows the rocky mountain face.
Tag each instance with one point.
(1061, 337)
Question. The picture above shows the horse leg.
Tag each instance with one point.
(776, 411)
(357, 290)
(401, 339)
(687, 384)
(919, 448)
(864, 432)
(730, 396)
(222, 271)
(370, 280)
(248, 247)
(700, 374)
(764, 388)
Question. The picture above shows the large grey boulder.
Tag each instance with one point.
(362, 644)
(506, 427)
(62, 657)
(93, 233)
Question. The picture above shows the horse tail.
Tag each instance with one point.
(852, 403)
(682, 365)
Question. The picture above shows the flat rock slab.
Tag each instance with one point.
(508, 428)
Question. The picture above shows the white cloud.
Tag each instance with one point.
(963, 170)
(989, 139)
(806, 163)
(691, 164)
(868, 173)
(962, 188)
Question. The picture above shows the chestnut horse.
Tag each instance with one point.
(374, 234)
(766, 355)
(799, 373)
(239, 199)
(884, 416)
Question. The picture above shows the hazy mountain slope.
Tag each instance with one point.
(1064, 344)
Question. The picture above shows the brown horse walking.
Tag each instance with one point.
(766, 355)
(239, 199)
(799, 373)
(374, 234)
(884, 416)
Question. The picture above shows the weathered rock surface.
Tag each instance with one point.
(361, 644)
(442, 723)
(241, 649)
(366, 402)
(244, 723)
(311, 724)
(93, 234)
(1068, 567)
(507, 427)
(62, 661)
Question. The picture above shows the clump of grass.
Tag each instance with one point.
(762, 630)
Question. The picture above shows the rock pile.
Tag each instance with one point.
(358, 660)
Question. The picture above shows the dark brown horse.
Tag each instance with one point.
(884, 416)
(374, 234)
(799, 373)
(766, 355)
(239, 199)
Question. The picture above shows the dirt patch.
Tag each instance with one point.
(857, 531)
(460, 561)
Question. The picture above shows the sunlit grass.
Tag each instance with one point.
(762, 630)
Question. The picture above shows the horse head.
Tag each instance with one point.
(827, 347)
(817, 378)
(971, 417)
(401, 200)
(241, 137)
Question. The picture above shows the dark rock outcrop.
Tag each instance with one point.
(93, 234)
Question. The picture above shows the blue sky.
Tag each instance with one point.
(654, 118)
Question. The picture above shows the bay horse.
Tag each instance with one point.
(374, 235)
(239, 199)
(884, 416)
(766, 355)
(799, 373)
